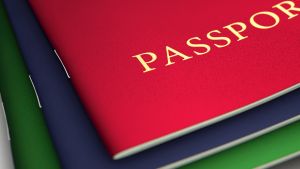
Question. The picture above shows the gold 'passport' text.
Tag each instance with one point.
(287, 7)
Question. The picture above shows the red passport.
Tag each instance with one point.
(151, 71)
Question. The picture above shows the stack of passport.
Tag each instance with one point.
(105, 84)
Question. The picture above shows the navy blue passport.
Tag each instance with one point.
(76, 141)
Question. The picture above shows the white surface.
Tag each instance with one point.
(6, 161)
(291, 161)
(292, 164)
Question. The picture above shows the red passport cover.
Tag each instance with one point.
(151, 71)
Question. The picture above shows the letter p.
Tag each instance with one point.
(145, 63)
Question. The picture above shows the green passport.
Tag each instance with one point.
(31, 143)
(256, 153)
